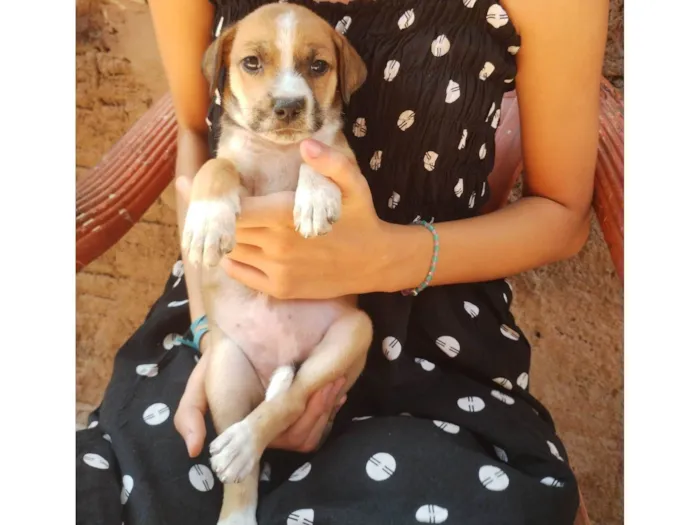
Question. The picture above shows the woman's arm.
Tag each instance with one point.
(183, 29)
(558, 85)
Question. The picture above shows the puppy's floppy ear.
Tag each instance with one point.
(215, 56)
(352, 71)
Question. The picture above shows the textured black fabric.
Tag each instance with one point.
(441, 426)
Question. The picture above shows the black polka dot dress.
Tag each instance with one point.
(441, 427)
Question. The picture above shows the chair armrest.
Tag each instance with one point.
(116, 193)
(608, 198)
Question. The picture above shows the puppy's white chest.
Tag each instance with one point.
(264, 167)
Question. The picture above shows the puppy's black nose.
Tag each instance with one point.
(288, 109)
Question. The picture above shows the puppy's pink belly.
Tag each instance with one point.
(275, 333)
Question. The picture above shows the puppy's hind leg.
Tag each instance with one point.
(233, 390)
(342, 351)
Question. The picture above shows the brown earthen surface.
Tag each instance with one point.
(571, 311)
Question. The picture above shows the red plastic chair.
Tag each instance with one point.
(114, 195)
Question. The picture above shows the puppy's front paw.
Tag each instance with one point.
(210, 229)
(234, 453)
(317, 204)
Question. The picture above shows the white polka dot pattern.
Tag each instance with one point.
(301, 517)
(406, 119)
(523, 380)
(171, 341)
(127, 487)
(431, 514)
(426, 365)
(391, 348)
(503, 382)
(502, 397)
(156, 414)
(201, 478)
(452, 92)
(471, 404)
(391, 70)
(493, 478)
(440, 46)
(343, 25)
(497, 16)
(459, 188)
(450, 428)
(407, 19)
(381, 466)
(448, 344)
(147, 370)
(471, 309)
(301, 472)
(551, 482)
(501, 454)
(95, 461)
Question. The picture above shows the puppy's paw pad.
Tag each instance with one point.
(234, 453)
(210, 230)
(317, 208)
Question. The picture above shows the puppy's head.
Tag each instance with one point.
(288, 71)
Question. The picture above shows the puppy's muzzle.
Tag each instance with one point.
(287, 110)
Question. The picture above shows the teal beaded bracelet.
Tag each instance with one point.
(199, 327)
(433, 262)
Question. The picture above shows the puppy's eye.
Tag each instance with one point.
(251, 64)
(319, 67)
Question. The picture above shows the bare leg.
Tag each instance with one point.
(343, 350)
(233, 389)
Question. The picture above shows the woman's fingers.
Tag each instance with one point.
(335, 165)
(295, 436)
(315, 434)
(308, 429)
(247, 254)
(245, 274)
(189, 417)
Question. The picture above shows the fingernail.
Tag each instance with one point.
(313, 148)
(342, 401)
(189, 442)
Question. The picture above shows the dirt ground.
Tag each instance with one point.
(572, 311)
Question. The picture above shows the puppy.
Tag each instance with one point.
(287, 74)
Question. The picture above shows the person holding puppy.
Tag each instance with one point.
(441, 426)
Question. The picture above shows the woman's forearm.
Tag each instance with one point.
(192, 153)
(529, 233)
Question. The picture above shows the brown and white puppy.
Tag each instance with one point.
(287, 75)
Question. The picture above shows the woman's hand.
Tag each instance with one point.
(189, 417)
(303, 436)
(270, 256)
